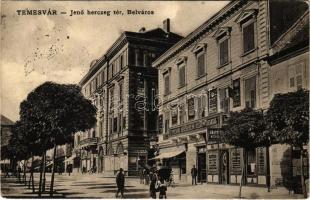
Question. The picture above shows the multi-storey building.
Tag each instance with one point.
(220, 67)
(123, 85)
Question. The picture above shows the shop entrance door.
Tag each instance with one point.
(202, 167)
(224, 167)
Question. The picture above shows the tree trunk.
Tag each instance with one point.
(44, 171)
(303, 187)
(41, 173)
(243, 172)
(25, 178)
(268, 168)
(31, 179)
(53, 171)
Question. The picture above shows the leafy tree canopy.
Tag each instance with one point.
(19, 147)
(288, 116)
(246, 129)
(55, 112)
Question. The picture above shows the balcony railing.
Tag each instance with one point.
(89, 141)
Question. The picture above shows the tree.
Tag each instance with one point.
(245, 129)
(23, 144)
(58, 111)
(288, 115)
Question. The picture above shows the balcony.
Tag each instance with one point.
(88, 142)
(212, 121)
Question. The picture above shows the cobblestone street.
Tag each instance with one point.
(97, 186)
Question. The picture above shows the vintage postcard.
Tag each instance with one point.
(155, 99)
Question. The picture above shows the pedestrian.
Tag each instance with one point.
(19, 171)
(194, 175)
(153, 185)
(146, 177)
(141, 175)
(6, 169)
(162, 188)
(120, 182)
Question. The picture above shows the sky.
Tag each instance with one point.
(60, 48)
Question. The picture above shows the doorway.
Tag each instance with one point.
(202, 167)
(224, 167)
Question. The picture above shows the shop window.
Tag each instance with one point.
(248, 37)
(251, 162)
(250, 92)
(191, 108)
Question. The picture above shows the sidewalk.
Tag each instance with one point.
(98, 186)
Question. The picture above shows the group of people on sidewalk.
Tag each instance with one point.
(152, 178)
(156, 184)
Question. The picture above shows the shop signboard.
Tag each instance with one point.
(213, 135)
(261, 161)
(235, 160)
(212, 163)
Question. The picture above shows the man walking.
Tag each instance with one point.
(120, 182)
(194, 175)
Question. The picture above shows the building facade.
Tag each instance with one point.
(221, 66)
(123, 85)
(6, 132)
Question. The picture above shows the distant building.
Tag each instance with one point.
(123, 86)
(6, 132)
(230, 62)
(289, 71)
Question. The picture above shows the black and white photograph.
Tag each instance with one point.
(154, 99)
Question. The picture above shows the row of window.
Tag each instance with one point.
(117, 124)
(216, 100)
(223, 41)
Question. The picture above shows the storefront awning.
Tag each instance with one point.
(168, 154)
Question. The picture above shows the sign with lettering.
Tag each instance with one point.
(212, 163)
(213, 135)
(213, 101)
(261, 152)
(235, 161)
(160, 123)
(195, 125)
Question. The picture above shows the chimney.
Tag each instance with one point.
(166, 25)
(142, 30)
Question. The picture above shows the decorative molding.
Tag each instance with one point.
(199, 46)
(180, 60)
(246, 14)
(222, 31)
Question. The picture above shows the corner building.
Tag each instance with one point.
(123, 85)
(220, 67)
